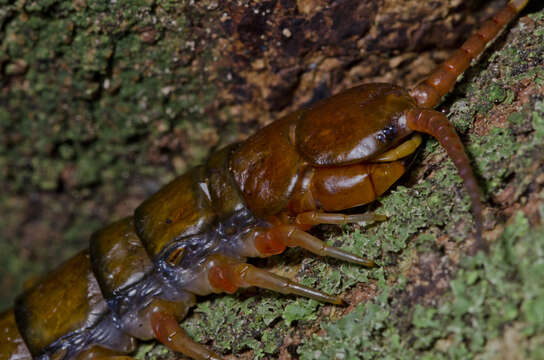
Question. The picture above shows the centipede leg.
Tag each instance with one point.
(316, 217)
(228, 275)
(167, 331)
(100, 353)
(290, 235)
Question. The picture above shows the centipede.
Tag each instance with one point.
(141, 275)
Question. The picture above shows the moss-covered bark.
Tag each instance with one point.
(102, 103)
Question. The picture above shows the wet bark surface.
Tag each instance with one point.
(102, 103)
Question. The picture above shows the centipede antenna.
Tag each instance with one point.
(437, 125)
(429, 92)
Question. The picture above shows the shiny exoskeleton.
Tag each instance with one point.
(141, 274)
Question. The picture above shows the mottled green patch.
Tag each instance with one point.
(492, 152)
(489, 291)
(514, 63)
(302, 309)
(103, 139)
(496, 93)
(143, 351)
(96, 96)
(353, 336)
(538, 121)
(501, 155)
(462, 115)
(235, 324)
(91, 86)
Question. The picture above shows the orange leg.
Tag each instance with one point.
(168, 332)
(228, 275)
(278, 237)
(315, 218)
(100, 353)
(164, 322)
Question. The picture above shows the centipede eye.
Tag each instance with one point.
(175, 257)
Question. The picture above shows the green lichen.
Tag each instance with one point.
(488, 292)
(538, 122)
(238, 324)
(496, 94)
(115, 90)
(491, 153)
(87, 88)
(302, 309)
(111, 85)
(462, 115)
(360, 326)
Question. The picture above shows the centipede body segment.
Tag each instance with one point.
(141, 275)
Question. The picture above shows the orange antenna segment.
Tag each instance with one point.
(437, 125)
(429, 92)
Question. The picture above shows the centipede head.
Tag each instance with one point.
(354, 126)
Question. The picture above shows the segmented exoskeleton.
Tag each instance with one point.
(141, 274)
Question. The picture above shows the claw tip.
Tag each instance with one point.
(341, 302)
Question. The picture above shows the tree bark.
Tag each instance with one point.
(103, 102)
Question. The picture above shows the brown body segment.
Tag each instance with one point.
(119, 259)
(12, 345)
(42, 319)
(353, 126)
(266, 167)
(179, 209)
(353, 185)
(225, 196)
(251, 199)
(67, 307)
